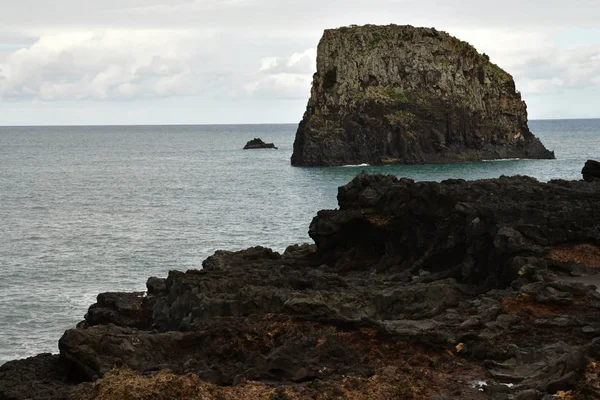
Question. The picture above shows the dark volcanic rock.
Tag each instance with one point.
(257, 143)
(413, 290)
(122, 309)
(591, 170)
(399, 94)
(37, 378)
(476, 232)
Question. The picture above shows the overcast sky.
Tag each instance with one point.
(251, 61)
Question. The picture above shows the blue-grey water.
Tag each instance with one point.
(85, 210)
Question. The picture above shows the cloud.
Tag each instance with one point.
(557, 70)
(282, 85)
(298, 63)
(543, 85)
(284, 77)
(117, 65)
(128, 64)
(107, 65)
(537, 60)
(127, 51)
(293, 18)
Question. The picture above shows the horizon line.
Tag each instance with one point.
(233, 124)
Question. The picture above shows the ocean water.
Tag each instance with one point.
(85, 210)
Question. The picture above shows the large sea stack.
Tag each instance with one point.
(403, 95)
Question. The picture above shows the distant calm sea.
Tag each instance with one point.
(85, 210)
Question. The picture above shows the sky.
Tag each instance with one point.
(112, 62)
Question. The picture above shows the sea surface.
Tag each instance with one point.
(85, 210)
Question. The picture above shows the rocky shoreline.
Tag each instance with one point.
(412, 290)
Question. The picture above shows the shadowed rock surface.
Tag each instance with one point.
(404, 95)
(414, 290)
(257, 143)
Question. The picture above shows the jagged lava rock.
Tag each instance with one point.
(400, 94)
(258, 143)
(591, 170)
(472, 231)
(413, 290)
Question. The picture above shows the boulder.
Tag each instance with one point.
(37, 378)
(591, 170)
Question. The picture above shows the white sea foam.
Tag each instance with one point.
(479, 384)
(356, 165)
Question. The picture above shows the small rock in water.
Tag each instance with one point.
(257, 143)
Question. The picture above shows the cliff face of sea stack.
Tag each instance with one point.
(404, 95)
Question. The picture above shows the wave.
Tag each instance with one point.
(356, 165)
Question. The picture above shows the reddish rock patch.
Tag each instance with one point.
(585, 254)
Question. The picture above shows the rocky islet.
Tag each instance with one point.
(258, 143)
(406, 95)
